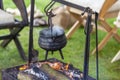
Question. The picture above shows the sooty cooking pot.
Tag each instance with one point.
(52, 39)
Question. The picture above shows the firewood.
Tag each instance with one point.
(23, 76)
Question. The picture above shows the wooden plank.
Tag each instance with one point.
(111, 14)
(73, 29)
(116, 57)
(105, 40)
(105, 7)
(109, 28)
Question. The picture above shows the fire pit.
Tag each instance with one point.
(48, 69)
(51, 69)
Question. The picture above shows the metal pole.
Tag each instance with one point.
(31, 32)
(1, 4)
(87, 46)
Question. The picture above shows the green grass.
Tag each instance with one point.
(73, 52)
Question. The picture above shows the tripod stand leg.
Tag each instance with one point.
(61, 54)
(46, 54)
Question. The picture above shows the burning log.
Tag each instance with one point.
(32, 74)
(56, 65)
(54, 74)
(44, 72)
(66, 67)
(51, 69)
(23, 76)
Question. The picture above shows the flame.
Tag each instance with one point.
(23, 67)
(56, 65)
(66, 67)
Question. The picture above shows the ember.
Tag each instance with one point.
(56, 65)
(66, 67)
(51, 69)
(23, 67)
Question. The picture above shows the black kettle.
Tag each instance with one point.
(52, 39)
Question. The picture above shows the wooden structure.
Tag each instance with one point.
(102, 19)
(117, 25)
(104, 13)
(14, 26)
(116, 57)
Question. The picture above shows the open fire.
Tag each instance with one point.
(51, 69)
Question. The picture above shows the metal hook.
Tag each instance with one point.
(47, 8)
(50, 14)
(85, 10)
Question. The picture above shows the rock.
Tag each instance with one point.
(39, 22)
(37, 12)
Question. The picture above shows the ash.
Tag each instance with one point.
(37, 72)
